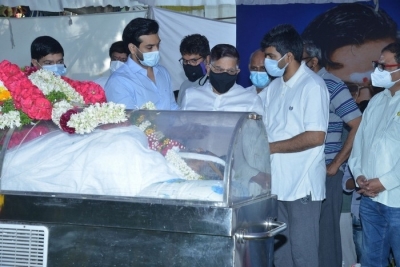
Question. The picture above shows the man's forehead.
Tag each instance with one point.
(191, 56)
(151, 39)
(52, 57)
(386, 57)
(224, 61)
(271, 50)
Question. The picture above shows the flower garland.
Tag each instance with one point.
(167, 147)
(11, 118)
(41, 95)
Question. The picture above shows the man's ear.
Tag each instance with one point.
(132, 48)
(208, 68)
(289, 58)
(207, 60)
(314, 62)
(35, 63)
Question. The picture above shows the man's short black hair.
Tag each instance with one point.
(395, 49)
(224, 50)
(348, 24)
(118, 47)
(45, 45)
(195, 44)
(138, 27)
(285, 39)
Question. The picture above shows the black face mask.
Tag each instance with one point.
(222, 82)
(193, 73)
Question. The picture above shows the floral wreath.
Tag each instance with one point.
(167, 147)
(33, 94)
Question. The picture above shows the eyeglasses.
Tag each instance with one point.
(192, 61)
(381, 66)
(355, 88)
(217, 69)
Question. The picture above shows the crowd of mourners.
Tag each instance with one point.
(332, 125)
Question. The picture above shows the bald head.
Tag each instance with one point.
(257, 61)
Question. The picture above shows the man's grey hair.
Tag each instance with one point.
(312, 50)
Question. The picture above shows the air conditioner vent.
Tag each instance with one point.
(23, 245)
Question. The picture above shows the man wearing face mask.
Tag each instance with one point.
(119, 55)
(195, 51)
(141, 79)
(47, 53)
(258, 75)
(342, 110)
(222, 93)
(375, 163)
(296, 120)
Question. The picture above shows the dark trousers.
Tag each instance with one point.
(330, 248)
(297, 246)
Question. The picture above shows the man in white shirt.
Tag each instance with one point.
(119, 55)
(296, 119)
(375, 162)
(195, 51)
(222, 93)
(258, 75)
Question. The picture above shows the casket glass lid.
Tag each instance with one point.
(211, 158)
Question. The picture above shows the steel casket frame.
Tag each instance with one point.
(86, 232)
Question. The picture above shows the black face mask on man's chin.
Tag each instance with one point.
(222, 82)
(194, 73)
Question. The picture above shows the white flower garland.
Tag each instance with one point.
(143, 126)
(187, 172)
(59, 108)
(9, 119)
(148, 105)
(47, 82)
(94, 115)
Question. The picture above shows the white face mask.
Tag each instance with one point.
(383, 78)
(150, 59)
(57, 69)
(272, 67)
(115, 64)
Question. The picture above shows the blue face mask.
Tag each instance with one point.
(150, 59)
(57, 69)
(272, 67)
(259, 78)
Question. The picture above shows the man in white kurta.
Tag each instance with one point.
(375, 163)
(221, 92)
(236, 99)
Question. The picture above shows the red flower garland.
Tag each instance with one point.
(30, 100)
(26, 96)
(91, 91)
(65, 119)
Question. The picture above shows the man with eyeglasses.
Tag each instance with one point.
(195, 52)
(222, 93)
(342, 111)
(141, 79)
(47, 53)
(375, 163)
(119, 55)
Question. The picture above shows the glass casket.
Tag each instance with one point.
(164, 188)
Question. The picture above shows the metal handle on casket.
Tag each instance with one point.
(277, 227)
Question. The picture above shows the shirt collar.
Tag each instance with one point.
(292, 81)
